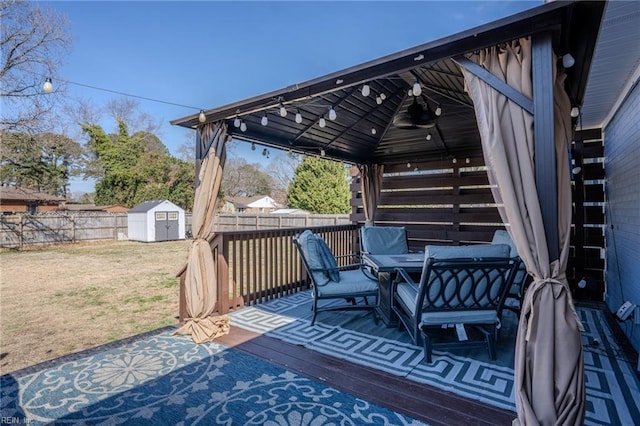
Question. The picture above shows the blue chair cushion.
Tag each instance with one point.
(467, 251)
(384, 239)
(328, 259)
(351, 282)
(501, 236)
(311, 252)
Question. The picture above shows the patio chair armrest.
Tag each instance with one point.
(402, 276)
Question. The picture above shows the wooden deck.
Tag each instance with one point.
(421, 402)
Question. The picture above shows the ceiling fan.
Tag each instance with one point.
(416, 116)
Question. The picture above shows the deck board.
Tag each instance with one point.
(422, 402)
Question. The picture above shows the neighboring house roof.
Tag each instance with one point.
(289, 211)
(145, 206)
(258, 201)
(94, 208)
(26, 194)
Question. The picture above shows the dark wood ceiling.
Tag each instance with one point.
(363, 130)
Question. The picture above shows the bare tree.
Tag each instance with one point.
(127, 110)
(33, 43)
(281, 169)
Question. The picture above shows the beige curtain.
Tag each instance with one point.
(201, 272)
(371, 184)
(549, 368)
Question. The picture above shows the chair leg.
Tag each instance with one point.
(314, 309)
(427, 347)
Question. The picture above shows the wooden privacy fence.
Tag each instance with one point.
(256, 266)
(17, 231)
(249, 221)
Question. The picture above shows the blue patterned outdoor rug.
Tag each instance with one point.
(160, 379)
(612, 385)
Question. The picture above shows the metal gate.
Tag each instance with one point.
(167, 226)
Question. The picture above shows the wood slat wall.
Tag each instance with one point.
(447, 203)
(442, 202)
(586, 259)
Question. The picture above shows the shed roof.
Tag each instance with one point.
(363, 131)
(145, 206)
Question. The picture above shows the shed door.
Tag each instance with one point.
(166, 226)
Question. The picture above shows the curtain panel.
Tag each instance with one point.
(201, 282)
(371, 176)
(549, 367)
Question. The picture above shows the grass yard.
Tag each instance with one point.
(63, 299)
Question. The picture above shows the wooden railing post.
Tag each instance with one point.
(221, 256)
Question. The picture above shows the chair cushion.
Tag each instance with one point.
(351, 282)
(502, 237)
(409, 295)
(457, 317)
(467, 251)
(328, 259)
(384, 239)
(311, 252)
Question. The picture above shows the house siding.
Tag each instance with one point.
(622, 167)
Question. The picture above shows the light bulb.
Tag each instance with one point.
(236, 121)
(47, 87)
(576, 170)
(416, 89)
(253, 146)
(373, 131)
(322, 153)
(298, 117)
(582, 283)
(201, 117)
(366, 90)
(428, 136)
(264, 121)
(383, 96)
(408, 165)
(454, 161)
(283, 111)
(332, 113)
(575, 111)
(378, 100)
(568, 61)
(322, 122)
(243, 126)
(438, 111)
(467, 160)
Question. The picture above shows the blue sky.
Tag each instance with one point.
(205, 54)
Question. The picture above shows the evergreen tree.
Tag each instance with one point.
(320, 186)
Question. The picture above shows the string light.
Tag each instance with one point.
(438, 111)
(366, 90)
(236, 121)
(283, 110)
(378, 100)
(373, 131)
(243, 126)
(201, 117)
(298, 117)
(416, 89)
(429, 136)
(253, 146)
(322, 153)
(332, 113)
(322, 122)
(264, 121)
(47, 87)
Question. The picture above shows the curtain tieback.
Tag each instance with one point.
(560, 284)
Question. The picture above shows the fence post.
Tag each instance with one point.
(21, 232)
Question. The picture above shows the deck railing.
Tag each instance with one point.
(257, 266)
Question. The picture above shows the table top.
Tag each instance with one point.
(389, 262)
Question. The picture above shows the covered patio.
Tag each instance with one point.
(453, 139)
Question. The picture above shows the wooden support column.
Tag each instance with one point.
(544, 138)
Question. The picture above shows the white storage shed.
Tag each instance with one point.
(157, 220)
